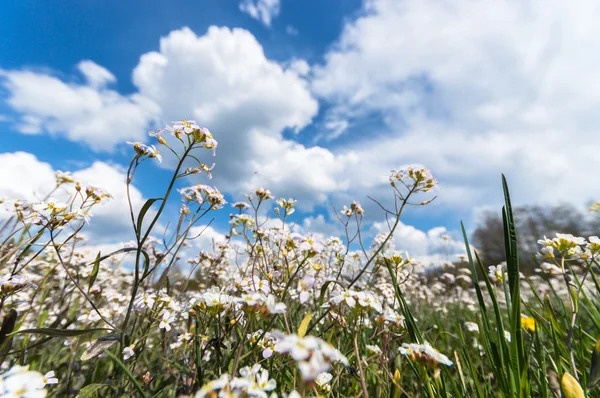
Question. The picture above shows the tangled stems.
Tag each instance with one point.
(142, 240)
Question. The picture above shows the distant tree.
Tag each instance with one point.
(533, 223)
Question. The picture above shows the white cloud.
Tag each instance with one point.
(224, 81)
(31, 179)
(320, 227)
(473, 89)
(429, 247)
(113, 217)
(261, 10)
(87, 113)
(96, 75)
(205, 238)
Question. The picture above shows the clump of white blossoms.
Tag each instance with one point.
(419, 178)
(20, 382)
(312, 355)
(254, 382)
(496, 272)
(425, 354)
(360, 301)
(355, 208)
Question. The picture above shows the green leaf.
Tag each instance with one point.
(91, 390)
(95, 270)
(595, 367)
(60, 332)
(143, 212)
(324, 289)
(127, 372)
(8, 324)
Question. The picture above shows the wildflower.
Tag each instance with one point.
(139, 148)
(263, 194)
(147, 379)
(355, 208)
(419, 178)
(273, 307)
(593, 245)
(158, 136)
(304, 286)
(397, 258)
(313, 355)
(262, 383)
(287, 205)
(13, 283)
(186, 126)
(373, 349)
(153, 153)
(347, 297)
(323, 380)
(165, 322)
(495, 273)
(63, 178)
(128, 352)
(425, 354)
(240, 205)
(309, 244)
(367, 300)
(471, 327)
(551, 269)
(392, 317)
(564, 243)
(570, 388)
(216, 302)
(49, 378)
(20, 382)
(528, 323)
(546, 253)
(214, 385)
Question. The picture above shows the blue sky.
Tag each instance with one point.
(315, 100)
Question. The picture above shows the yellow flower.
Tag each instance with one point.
(528, 323)
(570, 387)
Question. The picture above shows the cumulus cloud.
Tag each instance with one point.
(224, 80)
(32, 180)
(431, 246)
(205, 238)
(96, 75)
(87, 113)
(261, 10)
(472, 93)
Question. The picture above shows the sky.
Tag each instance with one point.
(316, 100)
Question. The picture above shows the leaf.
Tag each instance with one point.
(595, 367)
(8, 324)
(60, 332)
(91, 390)
(304, 325)
(127, 372)
(95, 270)
(100, 345)
(143, 212)
(570, 388)
(324, 289)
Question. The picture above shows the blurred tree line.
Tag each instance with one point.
(533, 223)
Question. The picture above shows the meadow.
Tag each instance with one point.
(272, 313)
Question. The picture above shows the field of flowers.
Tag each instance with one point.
(272, 313)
